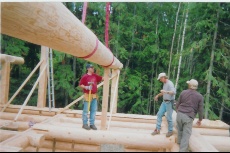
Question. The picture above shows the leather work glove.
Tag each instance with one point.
(88, 87)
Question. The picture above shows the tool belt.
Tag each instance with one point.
(92, 96)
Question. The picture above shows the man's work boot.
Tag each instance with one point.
(169, 134)
(93, 127)
(85, 126)
(155, 132)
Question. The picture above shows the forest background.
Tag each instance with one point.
(185, 40)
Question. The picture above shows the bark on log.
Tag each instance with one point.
(54, 26)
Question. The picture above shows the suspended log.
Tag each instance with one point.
(130, 140)
(198, 144)
(222, 144)
(54, 26)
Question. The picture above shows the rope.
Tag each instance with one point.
(84, 12)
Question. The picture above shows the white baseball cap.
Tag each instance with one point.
(161, 75)
(193, 83)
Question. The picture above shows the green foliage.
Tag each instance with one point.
(140, 36)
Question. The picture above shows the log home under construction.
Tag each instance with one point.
(30, 129)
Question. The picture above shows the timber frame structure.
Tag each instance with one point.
(30, 128)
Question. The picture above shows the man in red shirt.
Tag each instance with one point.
(88, 83)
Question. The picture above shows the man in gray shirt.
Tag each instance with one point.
(189, 104)
(168, 94)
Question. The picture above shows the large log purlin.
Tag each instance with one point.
(54, 26)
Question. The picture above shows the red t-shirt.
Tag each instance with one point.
(90, 78)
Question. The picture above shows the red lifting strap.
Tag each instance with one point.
(92, 51)
(111, 62)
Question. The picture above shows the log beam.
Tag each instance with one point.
(198, 144)
(130, 140)
(54, 26)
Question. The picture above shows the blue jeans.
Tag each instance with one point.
(165, 107)
(93, 110)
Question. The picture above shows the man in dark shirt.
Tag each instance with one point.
(189, 104)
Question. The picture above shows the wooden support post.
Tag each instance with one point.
(114, 94)
(5, 61)
(105, 99)
(43, 81)
(5, 82)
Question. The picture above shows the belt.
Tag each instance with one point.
(92, 96)
(167, 100)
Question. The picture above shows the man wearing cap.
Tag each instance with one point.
(190, 103)
(88, 83)
(168, 94)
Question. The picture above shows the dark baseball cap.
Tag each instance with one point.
(89, 66)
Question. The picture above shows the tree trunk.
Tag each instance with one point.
(211, 67)
(130, 54)
(182, 47)
(170, 59)
(178, 43)
(152, 93)
(224, 99)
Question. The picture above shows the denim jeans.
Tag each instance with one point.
(93, 110)
(165, 107)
